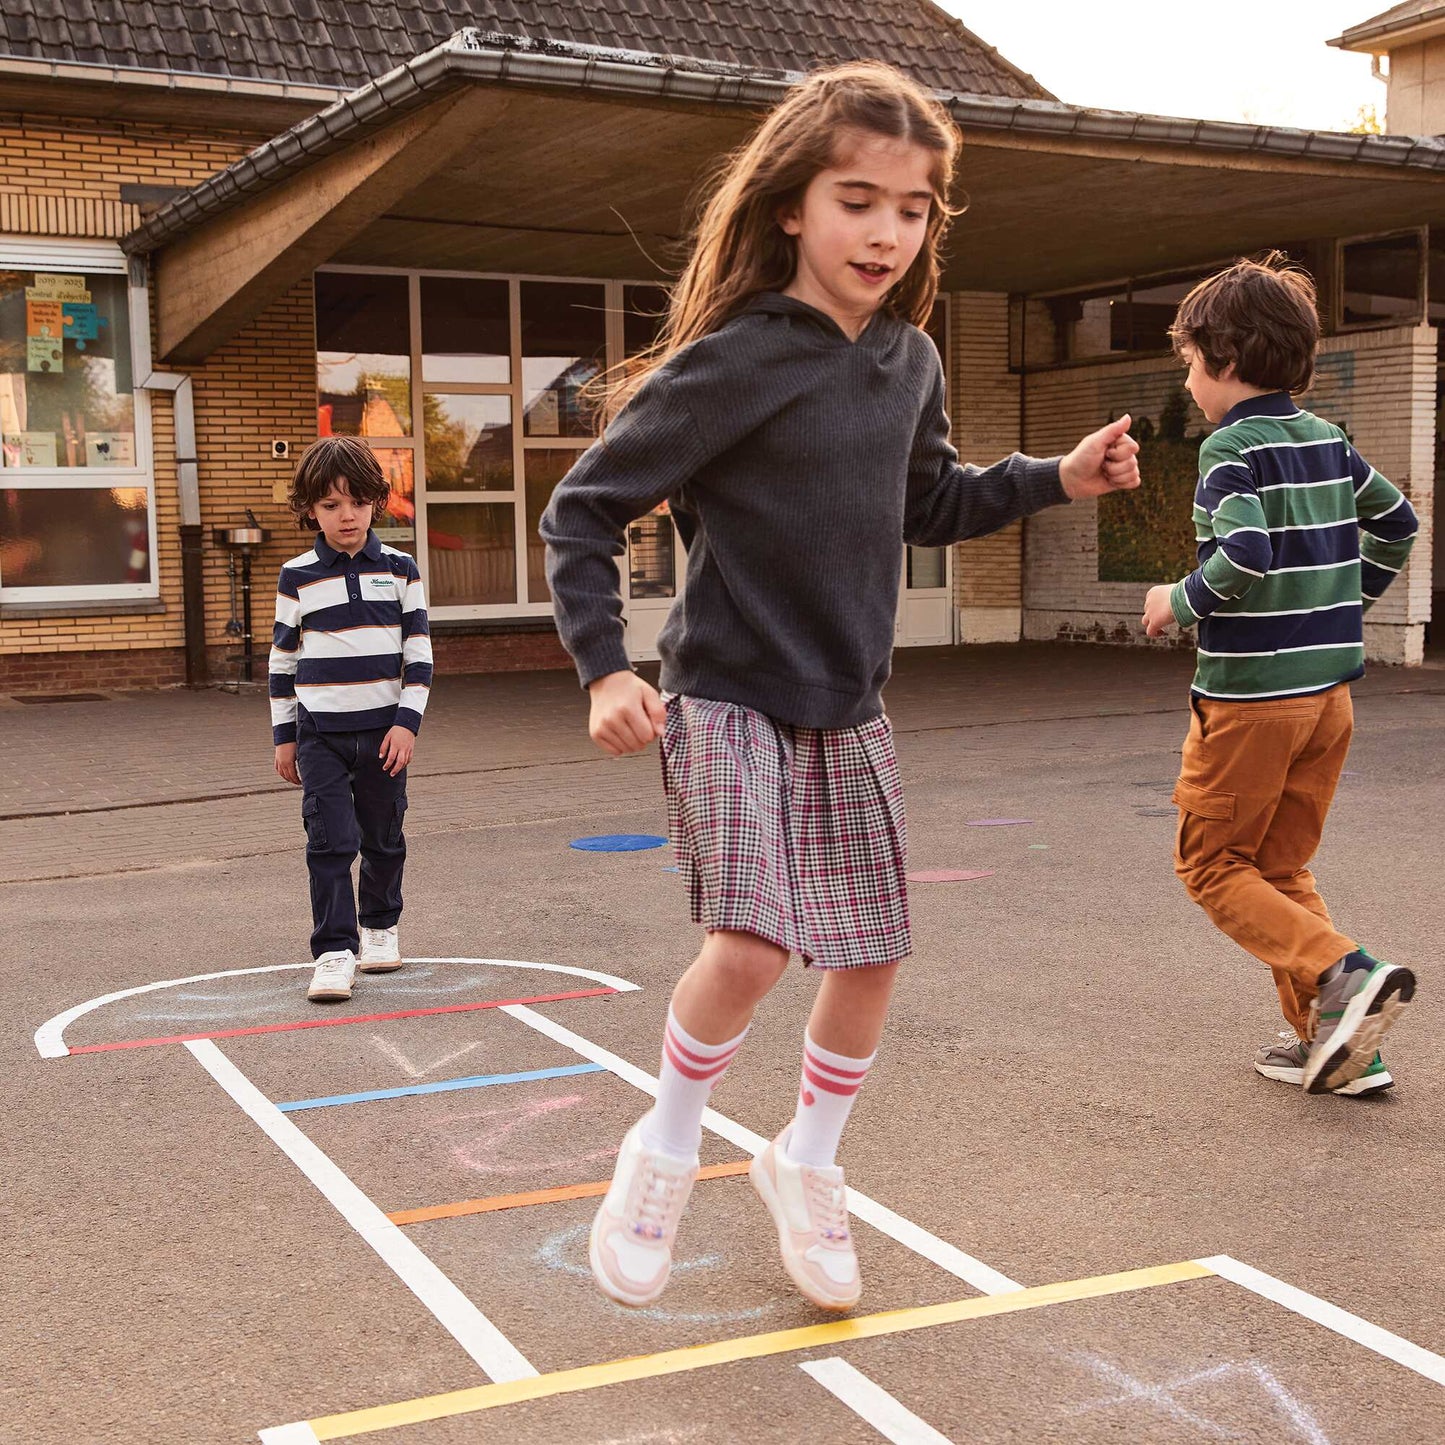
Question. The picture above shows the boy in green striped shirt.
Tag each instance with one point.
(1297, 536)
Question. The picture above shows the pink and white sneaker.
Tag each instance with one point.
(809, 1207)
(631, 1243)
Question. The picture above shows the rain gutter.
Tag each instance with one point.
(188, 484)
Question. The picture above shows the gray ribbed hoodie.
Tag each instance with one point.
(797, 463)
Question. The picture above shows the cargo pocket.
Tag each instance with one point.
(314, 821)
(1198, 808)
(1202, 803)
(398, 817)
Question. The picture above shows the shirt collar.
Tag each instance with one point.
(1273, 403)
(328, 554)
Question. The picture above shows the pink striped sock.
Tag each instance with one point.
(690, 1071)
(825, 1099)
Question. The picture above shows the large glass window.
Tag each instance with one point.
(473, 391)
(75, 487)
(363, 355)
(466, 330)
(564, 346)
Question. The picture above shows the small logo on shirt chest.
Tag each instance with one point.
(377, 588)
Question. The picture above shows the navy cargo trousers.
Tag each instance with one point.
(349, 803)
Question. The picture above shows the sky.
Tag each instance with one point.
(1262, 61)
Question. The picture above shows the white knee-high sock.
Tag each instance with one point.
(825, 1099)
(690, 1071)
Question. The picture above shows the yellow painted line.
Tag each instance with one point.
(751, 1347)
(540, 1196)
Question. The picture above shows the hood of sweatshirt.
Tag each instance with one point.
(882, 327)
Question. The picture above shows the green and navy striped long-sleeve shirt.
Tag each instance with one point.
(1297, 535)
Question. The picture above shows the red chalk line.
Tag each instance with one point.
(410, 1013)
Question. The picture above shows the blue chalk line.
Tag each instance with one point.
(444, 1086)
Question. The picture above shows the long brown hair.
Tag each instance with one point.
(739, 250)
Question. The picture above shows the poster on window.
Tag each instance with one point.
(110, 449)
(29, 449)
(81, 323)
(50, 286)
(44, 353)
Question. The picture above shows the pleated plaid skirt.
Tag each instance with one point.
(794, 834)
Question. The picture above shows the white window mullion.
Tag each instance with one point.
(418, 430)
(519, 452)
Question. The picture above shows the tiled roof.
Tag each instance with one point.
(342, 44)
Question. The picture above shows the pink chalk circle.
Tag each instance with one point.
(998, 822)
(948, 875)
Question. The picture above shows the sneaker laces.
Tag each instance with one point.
(827, 1203)
(656, 1202)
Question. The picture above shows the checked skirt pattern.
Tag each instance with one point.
(794, 834)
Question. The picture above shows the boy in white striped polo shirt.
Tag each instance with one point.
(1297, 536)
(351, 667)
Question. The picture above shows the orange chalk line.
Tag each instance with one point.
(539, 1196)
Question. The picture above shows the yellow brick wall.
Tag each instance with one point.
(988, 573)
(259, 386)
(62, 178)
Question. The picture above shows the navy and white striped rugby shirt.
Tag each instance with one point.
(352, 646)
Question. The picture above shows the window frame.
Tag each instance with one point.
(44, 253)
(1128, 286)
(514, 389)
(1342, 327)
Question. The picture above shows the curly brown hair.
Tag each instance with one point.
(1261, 315)
(336, 459)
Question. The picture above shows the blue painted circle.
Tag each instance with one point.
(619, 843)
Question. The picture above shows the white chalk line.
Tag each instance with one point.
(892, 1419)
(50, 1036)
(1332, 1317)
(298, 1433)
(911, 1236)
(488, 1347)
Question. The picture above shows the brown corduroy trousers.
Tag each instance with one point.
(1255, 784)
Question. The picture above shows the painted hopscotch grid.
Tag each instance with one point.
(592, 1190)
(516, 1380)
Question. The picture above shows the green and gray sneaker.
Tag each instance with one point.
(1359, 1001)
(1284, 1060)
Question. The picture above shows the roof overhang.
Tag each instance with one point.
(1381, 35)
(493, 154)
(164, 97)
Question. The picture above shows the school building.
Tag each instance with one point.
(226, 230)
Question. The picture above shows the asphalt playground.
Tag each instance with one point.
(233, 1215)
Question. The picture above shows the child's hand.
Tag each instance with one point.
(1158, 614)
(1105, 461)
(396, 749)
(286, 763)
(627, 713)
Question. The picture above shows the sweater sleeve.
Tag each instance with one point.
(652, 447)
(416, 654)
(1388, 527)
(1228, 513)
(285, 653)
(949, 501)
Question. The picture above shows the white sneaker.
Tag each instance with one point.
(631, 1243)
(333, 975)
(380, 950)
(809, 1206)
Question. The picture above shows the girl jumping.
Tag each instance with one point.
(792, 415)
